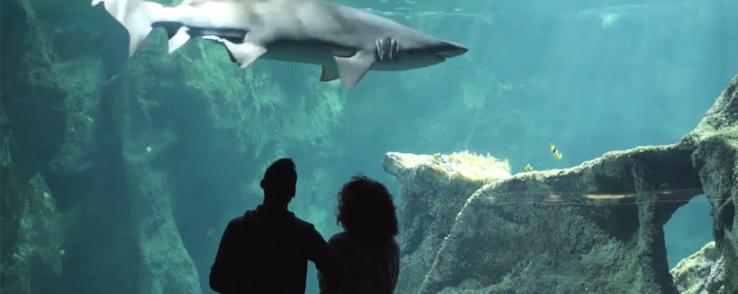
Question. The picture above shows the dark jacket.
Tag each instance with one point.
(264, 252)
(369, 266)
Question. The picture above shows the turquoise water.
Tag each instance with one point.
(192, 128)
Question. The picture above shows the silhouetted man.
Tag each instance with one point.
(266, 250)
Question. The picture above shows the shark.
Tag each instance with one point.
(347, 42)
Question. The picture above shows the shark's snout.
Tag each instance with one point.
(449, 49)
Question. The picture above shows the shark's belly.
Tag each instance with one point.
(311, 52)
(323, 54)
(402, 64)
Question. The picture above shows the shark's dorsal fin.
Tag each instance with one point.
(352, 69)
(330, 72)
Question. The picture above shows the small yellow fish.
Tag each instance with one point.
(528, 168)
(556, 154)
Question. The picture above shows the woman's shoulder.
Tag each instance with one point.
(340, 238)
(343, 239)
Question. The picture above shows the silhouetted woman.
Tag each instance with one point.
(367, 249)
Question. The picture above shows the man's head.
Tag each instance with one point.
(279, 182)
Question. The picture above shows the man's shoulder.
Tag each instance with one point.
(251, 217)
(247, 217)
(303, 225)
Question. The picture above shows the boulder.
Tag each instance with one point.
(701, 272)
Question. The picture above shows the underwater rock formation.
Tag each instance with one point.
(166, 265)
(32, 243)
(593, 228)
(425, 219)
(120, 144)
(716, 160)
(32, 240)
(701, 272)
(73, 127)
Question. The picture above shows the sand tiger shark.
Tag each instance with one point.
(346, 41)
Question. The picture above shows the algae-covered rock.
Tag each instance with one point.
(701, 272)
(166, 266)
(434, 188)
(33, 251)
(593, 228)
(122, 141)
(31, 230)
(716, 159)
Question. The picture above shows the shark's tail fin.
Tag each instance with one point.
(137, 16)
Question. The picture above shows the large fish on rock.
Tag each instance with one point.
(346, 41)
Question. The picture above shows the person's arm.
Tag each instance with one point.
(330, 273)
(324, 284)
(221, 273)
(394, 265)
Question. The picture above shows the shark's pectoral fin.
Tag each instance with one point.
(178, 39)
(245, 53)
(352, 69)
(330, 72)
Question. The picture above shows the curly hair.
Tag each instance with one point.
(365, 208)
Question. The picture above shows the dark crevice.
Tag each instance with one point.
(724, 218)
(100, 232)
(200, 197)
(626, 226)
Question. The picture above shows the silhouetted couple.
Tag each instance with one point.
(266, 250)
